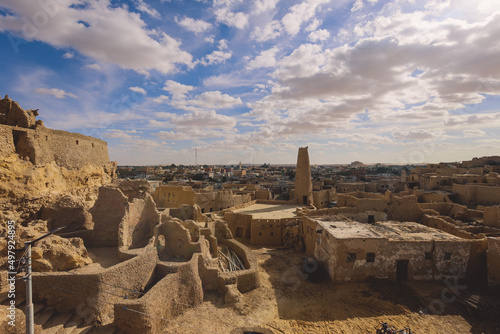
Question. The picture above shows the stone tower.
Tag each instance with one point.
(303, 184)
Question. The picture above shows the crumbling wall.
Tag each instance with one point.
(472, 194)
(322, 198)
(91, 295)
(137, 226)
(208, 201)
(433, 197)
(12, 114)
(173, 241)
(453, 210)
(493, 256)
(171, 295)
(309, 235)
(404, 209)
(107, 213)
(239, 224)
(7, 139)
(492, 216)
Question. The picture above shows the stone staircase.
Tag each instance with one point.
(50, 321)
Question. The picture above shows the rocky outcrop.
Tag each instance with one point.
(55, 253)
(51, 254)
(69, 211)
(21, 179)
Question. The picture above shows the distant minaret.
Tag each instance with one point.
(303, 184)
(240, 165)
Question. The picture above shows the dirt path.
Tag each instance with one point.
(286, 302)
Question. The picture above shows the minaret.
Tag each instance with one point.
(303, 184)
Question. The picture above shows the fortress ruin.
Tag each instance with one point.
(178, 258)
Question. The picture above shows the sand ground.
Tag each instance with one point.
(286, 302)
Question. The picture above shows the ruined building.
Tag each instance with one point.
(21, 133)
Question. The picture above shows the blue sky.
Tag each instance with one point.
(400, 81)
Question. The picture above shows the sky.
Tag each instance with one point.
(396, 81)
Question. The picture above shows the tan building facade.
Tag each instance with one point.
(353, 252)
(303, 183)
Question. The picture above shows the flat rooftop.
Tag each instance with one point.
(384, 230)
(269, 211)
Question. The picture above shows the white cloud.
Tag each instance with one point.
(319, 35)
(357, 6)
(266, 58)
(197, 119)
(55, 92)
(96, 67)
(216, 57)
(194, 25)
(68, 55)
(161, 99)
(214, 100)
(268, 32)
(231, 19)
(98, 30)
(145, 8)
(299, 14)
(418, 135)
(138, 90)
(223, 44)
(474, 133)
(177, 89)
(262, 6)
(314, 25)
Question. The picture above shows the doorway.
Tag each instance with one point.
(402, 270)
(304, 199)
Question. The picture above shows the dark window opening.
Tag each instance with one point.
(202, 210)
(260, 234)
(371, 219)
(239, 232)
(370, 257)
(447, 256)
(272, 234)
(46, 138)
(77, 142)
(351, 257)
(92, 144)
(304, 199)
(211, 209)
